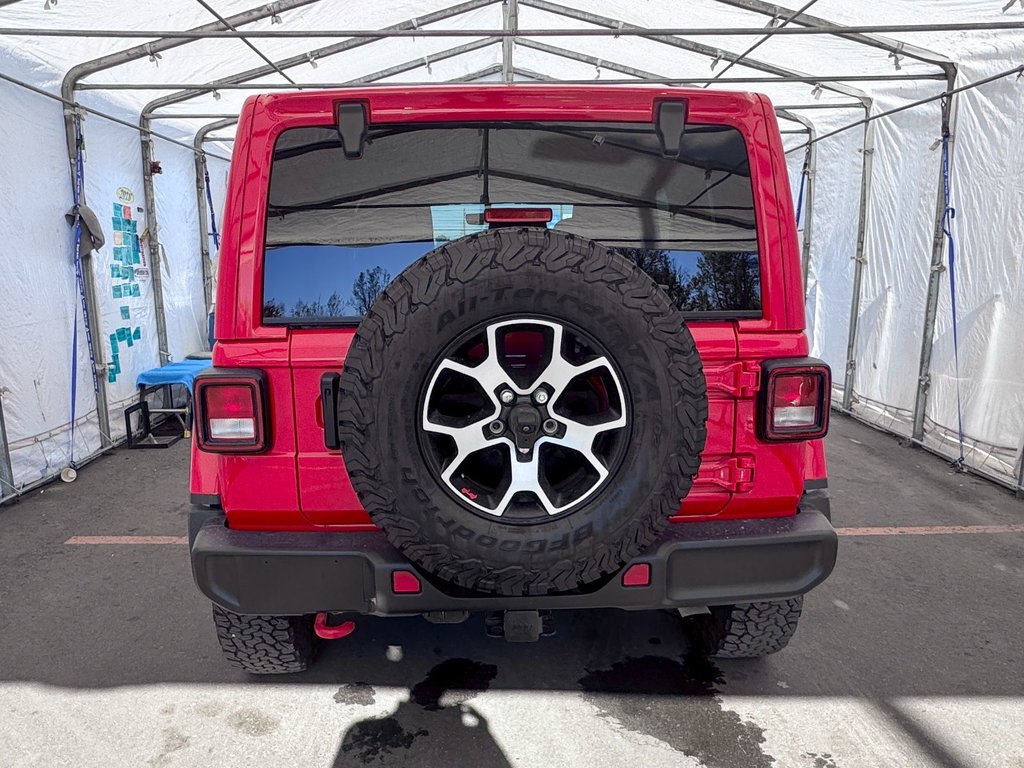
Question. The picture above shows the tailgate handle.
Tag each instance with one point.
(329, 385)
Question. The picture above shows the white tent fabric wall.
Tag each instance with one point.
(898, 247)
(218, 170)
(833, 247)
(987, 168)
(988, 194)
(40, 297)
(112, 168)
(177, 212)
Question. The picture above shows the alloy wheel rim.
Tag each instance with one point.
(524, 419)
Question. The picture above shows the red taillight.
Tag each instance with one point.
(230, 416)
(796, 401)
(517, 215)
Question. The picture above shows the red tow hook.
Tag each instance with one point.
(332, 632)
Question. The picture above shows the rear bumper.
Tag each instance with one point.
(692, 564)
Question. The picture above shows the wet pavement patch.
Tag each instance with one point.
(454, 680)
(677, 703)
(434, 725)
(375, 741)
(356, 694)
(824, 760)
(253, 722)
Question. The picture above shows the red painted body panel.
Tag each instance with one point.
(298, 484)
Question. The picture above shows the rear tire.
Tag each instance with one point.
(753, 630)
(468, 289)
(266, 645)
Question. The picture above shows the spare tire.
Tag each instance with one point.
(521, 411)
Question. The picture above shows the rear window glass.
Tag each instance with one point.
(338, 229)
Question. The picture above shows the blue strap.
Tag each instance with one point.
(800, 197)
(209, 206)
(948, 214)
(80, 281)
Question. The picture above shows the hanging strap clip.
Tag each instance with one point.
(670, 125)
(351, 118)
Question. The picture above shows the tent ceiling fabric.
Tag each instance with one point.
(869, 243)
(200, 61)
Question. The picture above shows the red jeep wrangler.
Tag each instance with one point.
(508, 349)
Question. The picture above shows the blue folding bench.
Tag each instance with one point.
(163, 380)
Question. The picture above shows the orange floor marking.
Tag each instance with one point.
(127, 540)
(928, 530)
(908, 530)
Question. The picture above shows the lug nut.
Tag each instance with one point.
(540, 396)
(550, 426)
(496, 427)
(507, 396)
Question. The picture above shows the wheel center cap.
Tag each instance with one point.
(524, 422)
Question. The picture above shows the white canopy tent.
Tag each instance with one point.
(866, 93)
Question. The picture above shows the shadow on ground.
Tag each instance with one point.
(901, 616)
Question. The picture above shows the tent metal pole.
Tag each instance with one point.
(248, 43)
(510, 23)
(859, 261)
(935, 273)
(145, 50)
(204, 227)
(153, 241)
(307, 58)
(626, 31)
(818, 105)
(6, 472)
(396, 69)
(413, 64)
(92, 303)
(809, 171)
(67, 92)
(84, 110)
(491, 69)
(1018, 71)
(153, 224)
(193, 115)
(616, 28)
(554, 49)
(1020, 470)
(814, 22)
(202, 138)
(204, 213)
(612, 66)
(786, 18)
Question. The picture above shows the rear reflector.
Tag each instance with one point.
(405, 583)
(796, 401)
(229, 413)
(517, 215)
(637, 575)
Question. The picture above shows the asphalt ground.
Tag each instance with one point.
(909, 655)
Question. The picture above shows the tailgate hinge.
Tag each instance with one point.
(741, 379)
(735, 474)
